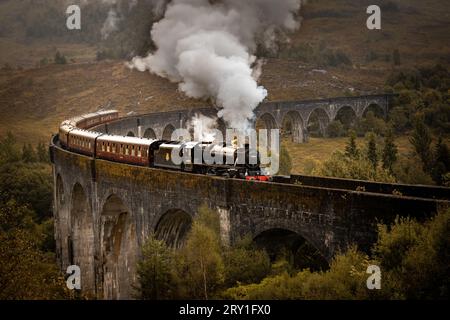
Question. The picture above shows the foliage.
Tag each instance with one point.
(372, 155)
(285, 161)
(423, 93)
(441, 162)
(335, 129)
(414, 259)
(60, 58)
(342, 166)
(390, 151)
(244, 263)
(351, 150)
(156, 271)
(26, 271)
(421, 140)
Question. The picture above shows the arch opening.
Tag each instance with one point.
(150, 134)
(266, 121)
(347, 117)
(173, 228)
(318, 122)
(130, 134)
(376, 109)
(81, 239)
(167, 133)
(119, 249)
(285, 244)
(292, 127)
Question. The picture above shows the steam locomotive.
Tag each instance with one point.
(234, 161)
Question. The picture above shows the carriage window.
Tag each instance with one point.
(114, 148)
(133, 152)
(126, 150)
(89, 145)
(103, 146)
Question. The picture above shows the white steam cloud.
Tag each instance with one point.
(204, 128)
(208, 47)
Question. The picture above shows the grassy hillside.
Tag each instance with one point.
(33, 100)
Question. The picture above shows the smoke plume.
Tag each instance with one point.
(208, 47)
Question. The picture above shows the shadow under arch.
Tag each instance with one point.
(318, 122)
(284, 243)
(347, 116)
(150, 134)
(81, 240)
(167, 133)
(376, 109)
(173, 227)
(119, 249)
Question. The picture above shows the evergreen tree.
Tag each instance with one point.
(28, 154)
(60, 58)
(42, 153)
(421, 140)
(351, 150)
(155, 271)
(285, 161)
(390, 151)
(8, 149)
(372, 150)
(441, 162)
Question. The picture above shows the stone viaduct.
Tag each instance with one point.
(104, 211)
(271, 115)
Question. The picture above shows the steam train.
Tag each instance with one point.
(235, 162)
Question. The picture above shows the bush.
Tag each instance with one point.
(414, 260)
(335, 129)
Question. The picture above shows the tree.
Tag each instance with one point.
(155, 271)
(335, 129)
(285, 161)
(42, 153)
(372, 150)
(60, 58)
(202, 256)
(389, 151)
(244, 263)
(351, 150)
(441, 163)
(28, 154)
(8, 149)
(26, 272)
(421, 140)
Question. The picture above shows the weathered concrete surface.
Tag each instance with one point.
(104, 212)
(272, 114)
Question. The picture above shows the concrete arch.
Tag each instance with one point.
(377, 109)
(150, 133)
(317, 122)
(60, 195)
(266, 121)
(281, 241)
(167, 132)
(81, 244)
(172, 227)
(118, 242)
(347, 115)
(130, 134)
(292, 125)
